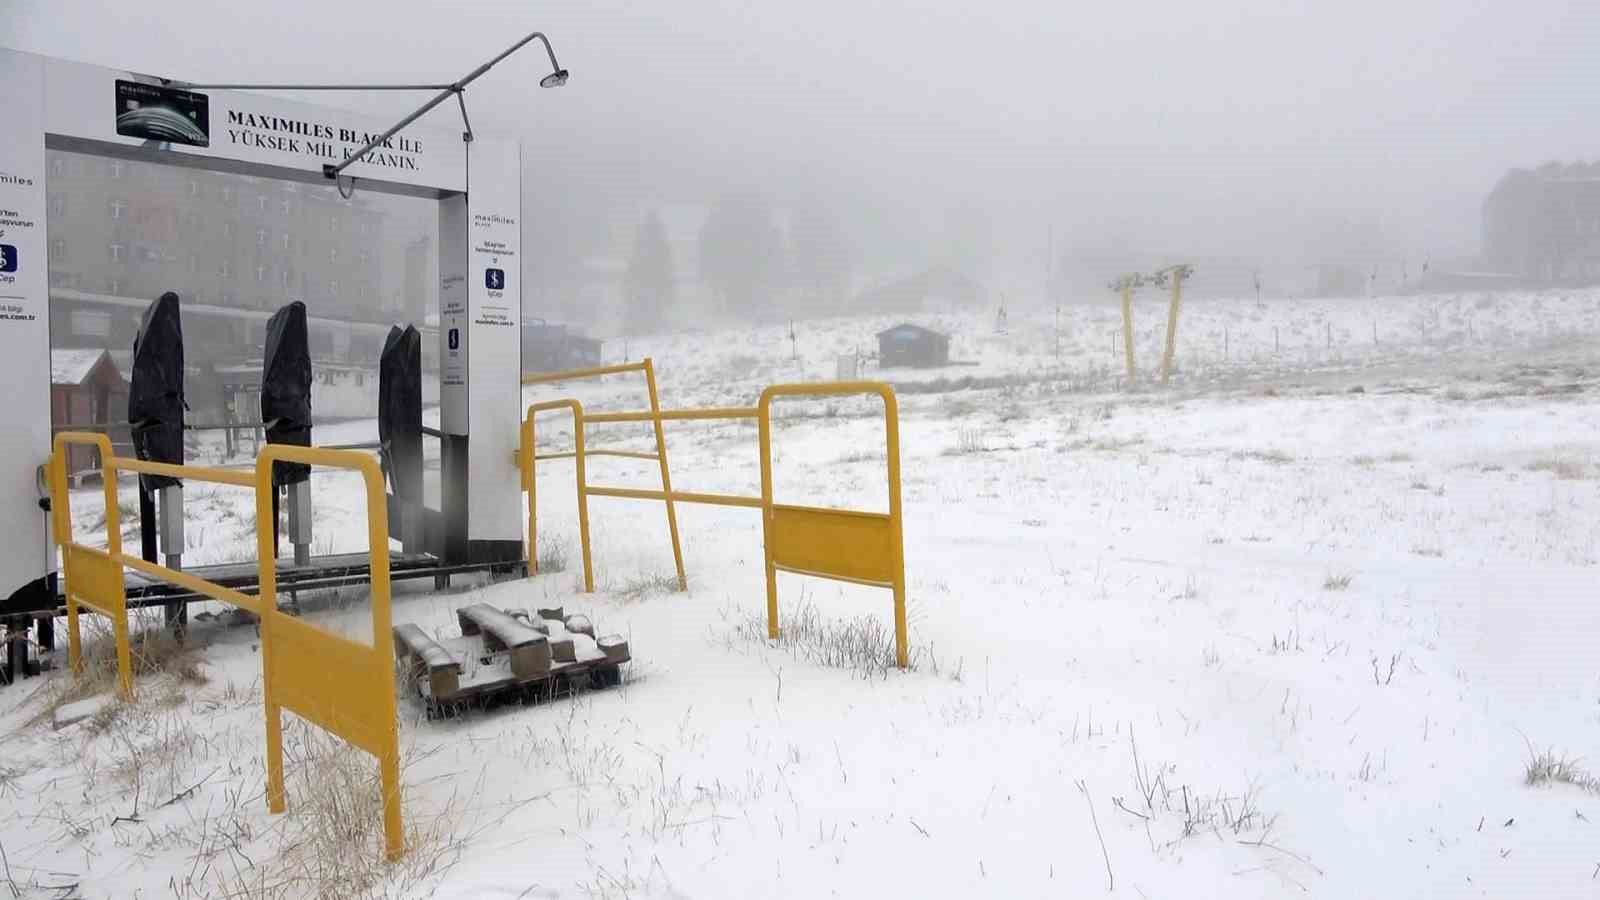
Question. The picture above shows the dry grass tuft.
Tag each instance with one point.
(1545, 767)
(643, 585)
(1337, 582)
(157, 656)
(1562, 469)
(862, 645)
(330, 842)
(1272, 457)
(554, 553)
(968, 441)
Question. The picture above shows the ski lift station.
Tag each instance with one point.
(139, 205)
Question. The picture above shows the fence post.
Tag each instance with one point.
(1127, 328)
(1172, 324)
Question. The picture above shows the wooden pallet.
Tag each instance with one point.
(507, 656)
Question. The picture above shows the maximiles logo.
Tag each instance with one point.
(20, 181)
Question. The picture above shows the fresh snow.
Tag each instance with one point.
(1093, 572)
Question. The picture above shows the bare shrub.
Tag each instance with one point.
(1188, 810)
(154, 653)
(1337, 582)
(1546, 767)
(1271, 457)
(553, 554)
(968, 441)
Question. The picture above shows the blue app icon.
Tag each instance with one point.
(8, 258)
(494, 279)
(455, 339)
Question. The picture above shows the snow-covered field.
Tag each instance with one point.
(1291, 625)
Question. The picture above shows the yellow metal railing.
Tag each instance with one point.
(344, 687)
(654, 415)
(841, 544)
(844, 545)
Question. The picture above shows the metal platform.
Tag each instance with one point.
(333, 571)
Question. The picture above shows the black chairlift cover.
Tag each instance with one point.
(400, 412)
(155, 392)
(286, 388)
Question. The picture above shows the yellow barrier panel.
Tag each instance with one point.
(93, 577)
(845, 545)
(339, 685)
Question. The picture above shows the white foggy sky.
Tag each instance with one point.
(1204, 127)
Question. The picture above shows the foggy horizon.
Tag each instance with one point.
(1266, 134)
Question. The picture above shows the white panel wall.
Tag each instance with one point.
(494, 336)
(24, 321)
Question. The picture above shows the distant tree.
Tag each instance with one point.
(741, 254)
(650, 291)
(821, 259)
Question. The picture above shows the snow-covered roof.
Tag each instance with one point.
(71, 367)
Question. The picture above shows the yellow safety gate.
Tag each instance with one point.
(342, 686)
(840, 544)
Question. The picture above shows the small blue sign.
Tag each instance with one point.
(494, 279)
(455, 339)
(8, 258)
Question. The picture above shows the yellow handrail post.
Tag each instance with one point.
(891, 426)
(268, 596)
(61, 527)
(764, 439)
(529, 484)
(579, 425)
(666, 476)
(529, 476)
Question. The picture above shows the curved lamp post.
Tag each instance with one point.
(556, 78)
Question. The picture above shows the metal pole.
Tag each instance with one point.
(309, 87)
(1172, 324)
(332, 171)
(1127, 327)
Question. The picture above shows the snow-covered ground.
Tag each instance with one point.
(1288, 626)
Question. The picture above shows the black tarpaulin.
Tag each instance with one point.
(286, 388)
(155, 391)
(400, 412)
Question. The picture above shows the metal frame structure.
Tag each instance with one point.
(62, 105)
(343, 687)
(860, 547)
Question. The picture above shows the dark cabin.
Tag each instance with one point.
(85, 386)
(555, 348)
(912, 345)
